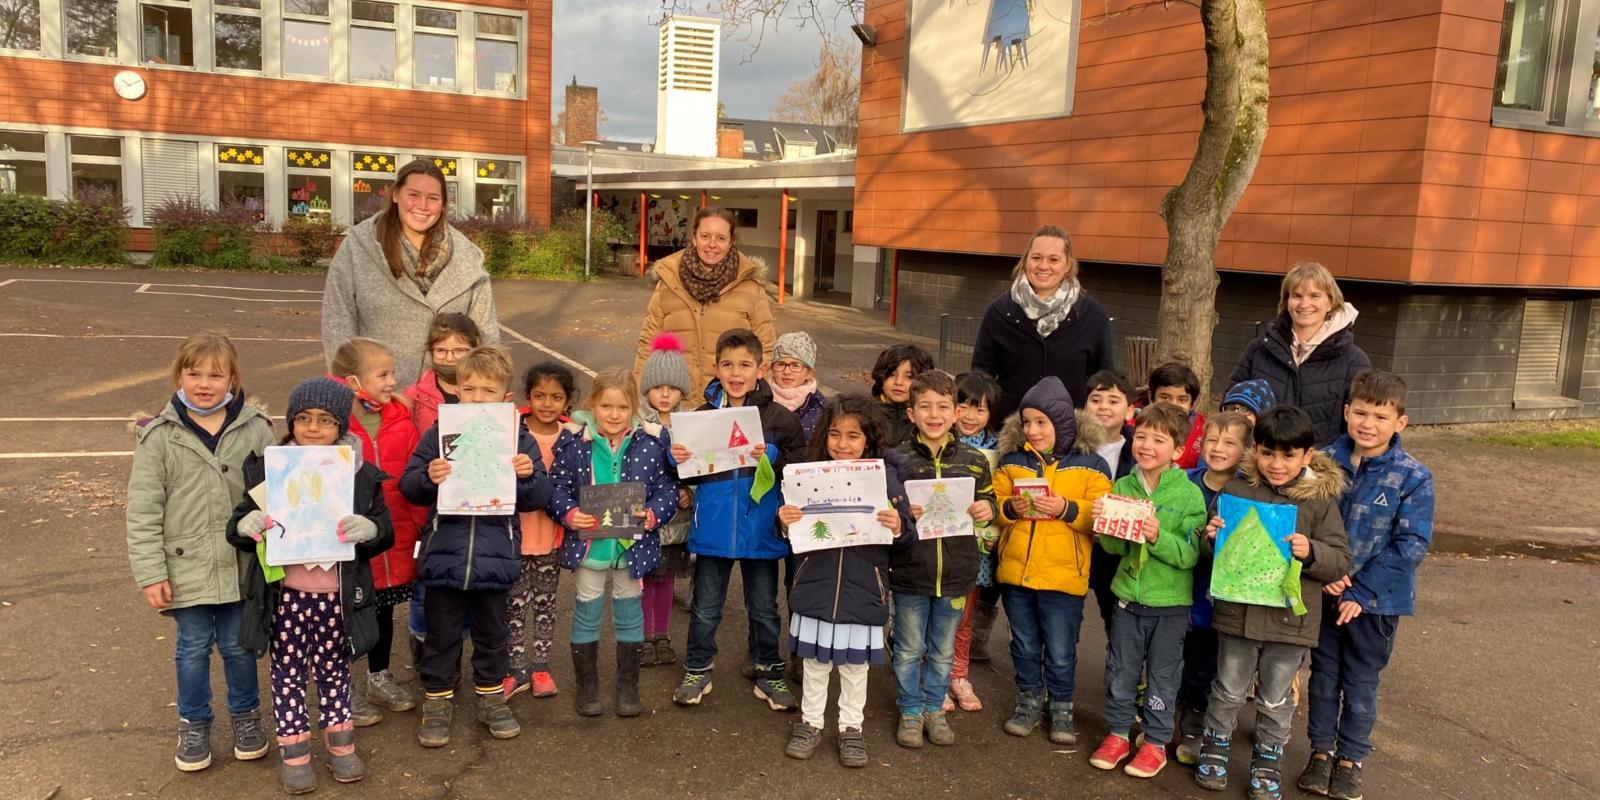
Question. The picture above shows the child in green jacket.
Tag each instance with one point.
(1153, 585)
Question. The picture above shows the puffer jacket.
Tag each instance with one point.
(643, 461)
(358, 602)
(850, 585)
(389, 450)
(940, 567)
(426, 397)
(1318, 385)
(179, 497)
(1316, 498)
(469, 552)
(727, 522)
(743, 303)
(1160, 575)
(1052, 554)
(1388, 514)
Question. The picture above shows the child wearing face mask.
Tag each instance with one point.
(381, 421)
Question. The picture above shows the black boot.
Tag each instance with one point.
(982, 626)
(628, 657)
(584, 663)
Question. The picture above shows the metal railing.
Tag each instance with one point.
(956, 338)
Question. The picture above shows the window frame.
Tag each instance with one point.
(481, 165)
(417, 31)
(519, 76)
(66, 44)
(395, 30)
(41, 156)
(220, 166)
(1568, 74)
(386, 173)
(74, 159)
(39, 31)
(285, 16)
(194, 40)
(263, 20)
(324, 172)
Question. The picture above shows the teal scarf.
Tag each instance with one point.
(606, 466)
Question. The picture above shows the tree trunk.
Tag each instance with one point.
(1225, 157)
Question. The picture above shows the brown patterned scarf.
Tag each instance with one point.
(705, 282)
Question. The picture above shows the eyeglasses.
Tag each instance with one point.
(453, 352)
(315, 421)
(788, 366)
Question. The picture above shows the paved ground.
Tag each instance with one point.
(86, 693)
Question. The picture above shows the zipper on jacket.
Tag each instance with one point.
(938, 544)
(838, 585)
(472, 539)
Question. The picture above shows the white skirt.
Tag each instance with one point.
(836, 643)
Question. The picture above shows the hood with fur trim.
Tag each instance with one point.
(1090, 434)
(1322, 480)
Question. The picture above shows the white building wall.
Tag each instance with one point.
(686, 88)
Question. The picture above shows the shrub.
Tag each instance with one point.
(311, 239)
(189, 233)
(91, 228)
(497, 238)
(27, 227)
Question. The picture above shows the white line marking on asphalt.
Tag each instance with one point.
(124, 382)
(144, 336)
(141, 290)
(7, 282)
(553, 354)
(79, 454)
(166, 285)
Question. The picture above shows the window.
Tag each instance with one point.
(238, 35)
(497, 56)
(91, 27)
(849, 222)
(496, 189)
(1549, 68)
(19, 25)
(307, 41)
(22, 163)
(96, 166)
(372, 35)
(1542, 349)
(447, 165)
(746, 217)
(166, 35)
(310, 182)
(373, 177)
(241, 176)
(434, 46)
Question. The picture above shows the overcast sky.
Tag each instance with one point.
(611, 44)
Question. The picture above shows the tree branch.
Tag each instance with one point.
(748, 20)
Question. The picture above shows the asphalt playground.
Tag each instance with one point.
(1491, 692)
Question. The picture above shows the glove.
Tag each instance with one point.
(356, 529)
(253, 523)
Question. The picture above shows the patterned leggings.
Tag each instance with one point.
(535, 586)
(307, 644)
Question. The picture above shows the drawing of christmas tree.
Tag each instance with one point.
(820, 532)
(939, 505)
(737, 438)
(605, 521)
(1250, 567)
(477, 460)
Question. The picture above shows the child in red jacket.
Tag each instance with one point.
(1175, 383)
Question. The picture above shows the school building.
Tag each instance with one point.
(297, 107)
(1442, 157)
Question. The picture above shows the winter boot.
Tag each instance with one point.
(1062, 729)
(628, 661)
(1266, 775)
(982, 626)
(1212, 771)
(1027, 715)
(347, 768)
(297, 778)
(362, 712)
(585, 658)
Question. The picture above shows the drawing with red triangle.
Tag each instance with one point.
(737, 438)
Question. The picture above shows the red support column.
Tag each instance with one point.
(702, 198)
(894, 286)
(644, 212)
(783, 240)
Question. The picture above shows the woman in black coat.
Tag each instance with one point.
(1045, 325)
(1309, 353)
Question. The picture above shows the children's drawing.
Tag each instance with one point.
(1123, 517)
(1253, 564)
(840, 500)
(721, 440)
(614, 504)
(479, 440)
(944, 504)
(1028, 491)
(308, 490)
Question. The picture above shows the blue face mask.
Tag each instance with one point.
(203, 412)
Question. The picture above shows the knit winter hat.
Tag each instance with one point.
(1050, 397)
(665, 366)
(1254, 394)
(323, 394)
(797, 345)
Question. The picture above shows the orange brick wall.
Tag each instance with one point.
(1380, 161)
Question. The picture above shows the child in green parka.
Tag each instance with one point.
(1154, 589)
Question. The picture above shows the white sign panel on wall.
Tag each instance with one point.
(975, 62)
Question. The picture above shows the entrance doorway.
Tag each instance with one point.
(827, 248)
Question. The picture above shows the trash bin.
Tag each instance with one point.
(627, 264)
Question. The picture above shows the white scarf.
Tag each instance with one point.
(792, 399)
(1046, 314)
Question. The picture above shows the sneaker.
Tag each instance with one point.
(1212, 770)
(1266, 778)
(852, 748)
(1062, 729)
(1319, 770)
(937, 728)
(434, 730)
(520, 680)
(664, 652)
(1148, 762)
(362, 712)
(249, 738)
(693, 687)
(909, 734)
(647, 653)
(194, 746)
(772, 687)
(385, 692)
(544, 684)
(1346, 781)
(1025, 718)
(748, 670)
(496, 715)
(1189, 749)
(803, 740)
(1112, 750)
(961, 692)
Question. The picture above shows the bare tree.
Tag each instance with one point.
(750, 19)
(558, 130)
(831, 95)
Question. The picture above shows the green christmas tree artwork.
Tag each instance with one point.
(605, 521)
(1253, 564)
(820, 532)
(479, 441)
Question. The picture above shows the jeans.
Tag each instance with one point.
(1274, 664)
(924, 649)
(1044, 639)
(1343, 696)
(711, 576)
(1144, 644)
(199, 628)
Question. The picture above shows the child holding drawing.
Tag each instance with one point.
(184, 481)
(838, 603)
(602, 445)
(664, 381)
(316, 617)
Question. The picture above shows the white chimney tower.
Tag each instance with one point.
(686, 96)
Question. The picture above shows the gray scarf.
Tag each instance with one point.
(1046, 314)
(423, 275)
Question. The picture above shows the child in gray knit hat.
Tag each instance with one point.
(794, 378)
(663, 382)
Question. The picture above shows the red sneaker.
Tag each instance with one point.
(543, 685)
(1110, 753)
(1148, 762)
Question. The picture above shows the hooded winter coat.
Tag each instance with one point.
(1009, 348)
(179, 497)
(643, 461)
(940, 567)
(850, 585)
(1052, 554)
(389, 449)
(363, 298)
(1388, 514)
(1318, 385)
(1315, 495)
(742, 304)
(727, 522)
(358, 602)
